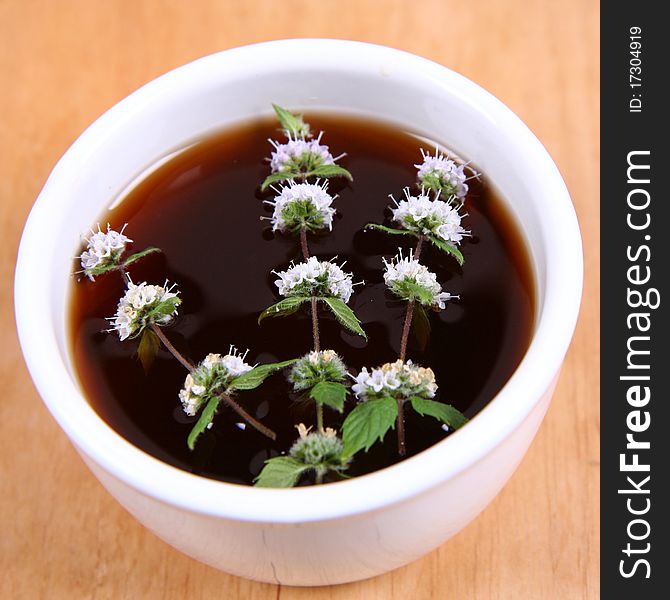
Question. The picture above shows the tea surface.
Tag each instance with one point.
(203, 209)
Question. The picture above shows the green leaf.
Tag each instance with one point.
(167, 307)
(410, 290)
(330, 171)
(139, 255)
(205, 419)
(388, 229)
(448, 248)
(345, 315)
(330, 393)
(442, 412)
(421, 326)
(292, 124)
(148, 348)
(276, 178)
(280, 472)
(367, 423)
(284, 307)
(252, 379)
(102, 269)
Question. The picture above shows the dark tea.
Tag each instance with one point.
(202, 209)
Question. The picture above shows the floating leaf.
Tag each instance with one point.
(252, 379)
(330, 393)
(148, 348)
(388, 229)
(284, 307)
(330, 171)
(276, 178)
(367, 423)
(421, 326)
(280, 472)
(345, 315)
(139, 255)
(448, 248)
(205, 419)
(442, 412)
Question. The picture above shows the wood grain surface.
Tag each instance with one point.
(62, 63)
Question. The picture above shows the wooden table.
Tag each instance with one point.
(62, 63)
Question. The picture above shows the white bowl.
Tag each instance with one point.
(364, 526)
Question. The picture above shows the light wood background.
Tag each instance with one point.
(62, 63)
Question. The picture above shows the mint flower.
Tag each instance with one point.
(299, 156)
(144, 305)
(399, 380)
(103, 251)
(423, 216)
(442, 175)
(408, 279)
(316, 367)
(319, 451)
(302, 206)
(210, 377)
(314, 277)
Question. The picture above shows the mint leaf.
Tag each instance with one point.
(284, 307)
(421, 326)
(442, 412)
(367, 423)
(345, 315)
(205, 419)
(139, 255)
(290, 123)
(329, 393)
(410, 290)
(148, 348)
(102, 269)
(448, 248)
(252, 379)
(166, 307)
(276, 178)
(280, 472)
(388, 229)
(330, 171)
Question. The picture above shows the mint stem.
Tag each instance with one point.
(303, 243)
(315, 324)
(257, 425)
(400, 426)
(168, 345)
(406, 328)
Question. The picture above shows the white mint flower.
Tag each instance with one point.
(144, 305)
(397, 380)
(302, 205)
(103, 249)
(442, 175)
(316, 367)
(210, 377)
(300, 156)
(422, 215)
(408, 279)
(321, 278)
